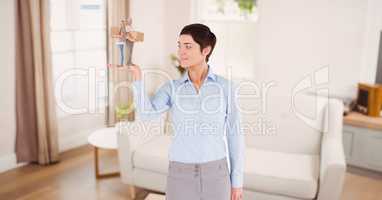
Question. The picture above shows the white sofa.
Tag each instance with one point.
(300, 157)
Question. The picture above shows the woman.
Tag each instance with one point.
(203, 108)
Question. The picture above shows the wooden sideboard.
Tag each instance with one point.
(363, 141)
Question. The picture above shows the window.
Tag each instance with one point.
(236, 10)
(78, 40)
(235, 32)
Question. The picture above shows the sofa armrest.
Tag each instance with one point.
(131, 135)
(333, 165)
(332, 172)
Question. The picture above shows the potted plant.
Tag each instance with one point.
(122, 111)
(246, 6)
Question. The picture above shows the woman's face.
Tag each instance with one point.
(189, 52)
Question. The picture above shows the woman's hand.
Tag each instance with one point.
(136, 72)
(236, 193)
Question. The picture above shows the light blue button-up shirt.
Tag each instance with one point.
(201, 120)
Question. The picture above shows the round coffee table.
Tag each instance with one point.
(105, 138)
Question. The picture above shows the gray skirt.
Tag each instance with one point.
(204, 181)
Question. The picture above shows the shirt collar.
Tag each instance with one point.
(210, 75)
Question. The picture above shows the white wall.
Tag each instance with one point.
(297, 37)
(7, 85)
(373, 27)
(150, 51)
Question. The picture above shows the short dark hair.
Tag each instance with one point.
(202, 35)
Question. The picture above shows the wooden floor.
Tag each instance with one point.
(73, 178)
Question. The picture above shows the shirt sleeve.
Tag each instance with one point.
(235, 139)
(150, 108)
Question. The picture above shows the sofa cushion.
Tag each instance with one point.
(293, 175)
(153, 155)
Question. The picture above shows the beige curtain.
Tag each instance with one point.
(119, 95)
(36, 131)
